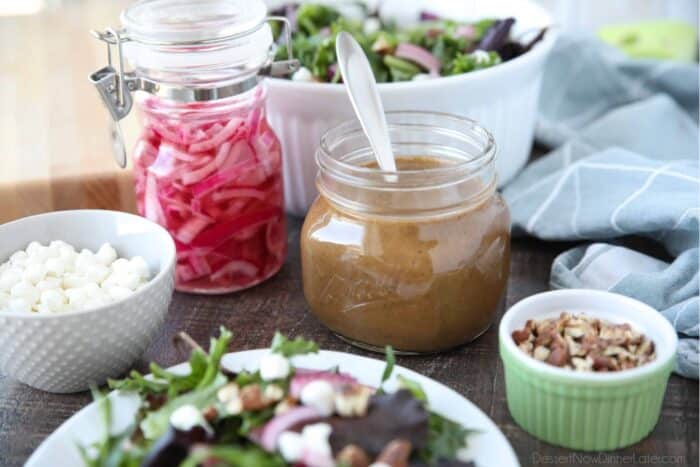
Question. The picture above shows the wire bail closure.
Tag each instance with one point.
(116, 85)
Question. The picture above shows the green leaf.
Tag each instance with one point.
(156, 423)
(323, 59)
(445, 438)
(233, 457)
(204, 368)
(217, 347)
(136, 382)
(464, 63)
(244, 378)
(109, 450)
(413, 386)
(290, 348)
(197, 388)
(311, 18)
(390, 362)
(400, 69)
(251, 420)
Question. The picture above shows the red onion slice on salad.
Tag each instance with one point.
(302, 378)
(418, 55)
(268, 434)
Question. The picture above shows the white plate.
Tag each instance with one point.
(487, 448)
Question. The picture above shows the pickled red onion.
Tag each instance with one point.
(218, 138)
(212, 177)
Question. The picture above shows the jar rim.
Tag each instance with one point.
(195, 50)
(467, 167)
(467, 177)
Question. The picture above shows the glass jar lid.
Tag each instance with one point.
(196, 41)
(170, 22)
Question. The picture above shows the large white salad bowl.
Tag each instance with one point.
(503, 98)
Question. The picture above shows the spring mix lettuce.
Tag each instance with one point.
(277, 415)
(435, 47)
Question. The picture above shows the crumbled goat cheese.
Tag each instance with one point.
(55, 277)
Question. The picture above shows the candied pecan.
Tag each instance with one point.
(559, 356)
(395, 454)
(210, 414)
(601, 363)
(546, 336)
(521, 335)
(252, 398)
(352, 456)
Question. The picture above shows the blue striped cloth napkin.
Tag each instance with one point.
(625, 163)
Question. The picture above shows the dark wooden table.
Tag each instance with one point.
(27, 416)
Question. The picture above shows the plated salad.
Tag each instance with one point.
(433, 48)
(276, 415)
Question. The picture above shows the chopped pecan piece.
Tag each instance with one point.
(558, 357)
(581, 343)
(395, 454)
(352, 456)
(541, 353)
(522, 335)
(252, 398)
(210, 414)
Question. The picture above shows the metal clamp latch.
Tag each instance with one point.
(114, 88)
(116, 85)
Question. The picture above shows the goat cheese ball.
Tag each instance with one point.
(56, 277)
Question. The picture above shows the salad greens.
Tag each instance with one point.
(238, 419)
(445, 439)
(390, 362)
(232, 455)
(290, 348)
(204, 369)
(107, 451)
(434, 47)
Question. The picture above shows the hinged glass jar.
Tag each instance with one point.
(207, 165)
(418, 260)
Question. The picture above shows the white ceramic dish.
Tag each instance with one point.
(489, 448)
(503, 99)
(65, 352)
(604, 305)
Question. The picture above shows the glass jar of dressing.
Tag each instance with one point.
(207, 165)
(418, 260)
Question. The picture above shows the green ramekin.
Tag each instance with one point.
(586, 411)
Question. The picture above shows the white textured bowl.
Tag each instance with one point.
(66, 352)
(503, 99)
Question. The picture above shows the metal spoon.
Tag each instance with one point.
(362, 89)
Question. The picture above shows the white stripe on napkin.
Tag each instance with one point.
(603, 266)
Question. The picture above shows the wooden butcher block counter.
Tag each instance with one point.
(55, 149)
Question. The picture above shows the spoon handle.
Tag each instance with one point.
(362, 89)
